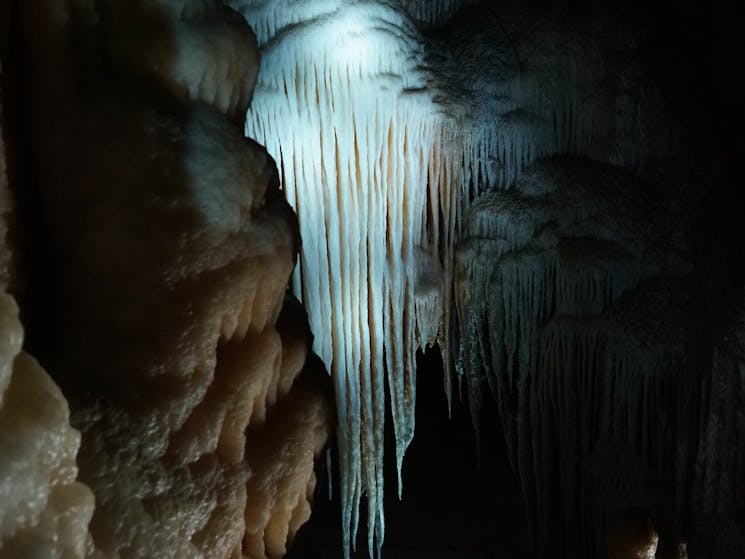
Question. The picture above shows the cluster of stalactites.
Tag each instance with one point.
(382, 140)
(555, 282)
(357, 143)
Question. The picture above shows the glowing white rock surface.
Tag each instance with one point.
(382, 138)
(358, 139)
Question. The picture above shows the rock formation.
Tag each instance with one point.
(170, 247)
(525, 186)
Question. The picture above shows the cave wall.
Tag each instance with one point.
(196, 407)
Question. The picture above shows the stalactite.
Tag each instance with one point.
(410, 159)
(383, 138)
(355, 138)
(576, 309)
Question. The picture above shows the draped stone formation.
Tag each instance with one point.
(539, 191)
(383, 135)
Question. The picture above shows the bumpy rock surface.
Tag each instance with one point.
(44, 511)
(171, 247)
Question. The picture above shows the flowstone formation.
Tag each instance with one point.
(187, 368)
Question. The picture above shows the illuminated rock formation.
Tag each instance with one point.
(406, 135)
(351, 124)
(171, 248)
(383, 134)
